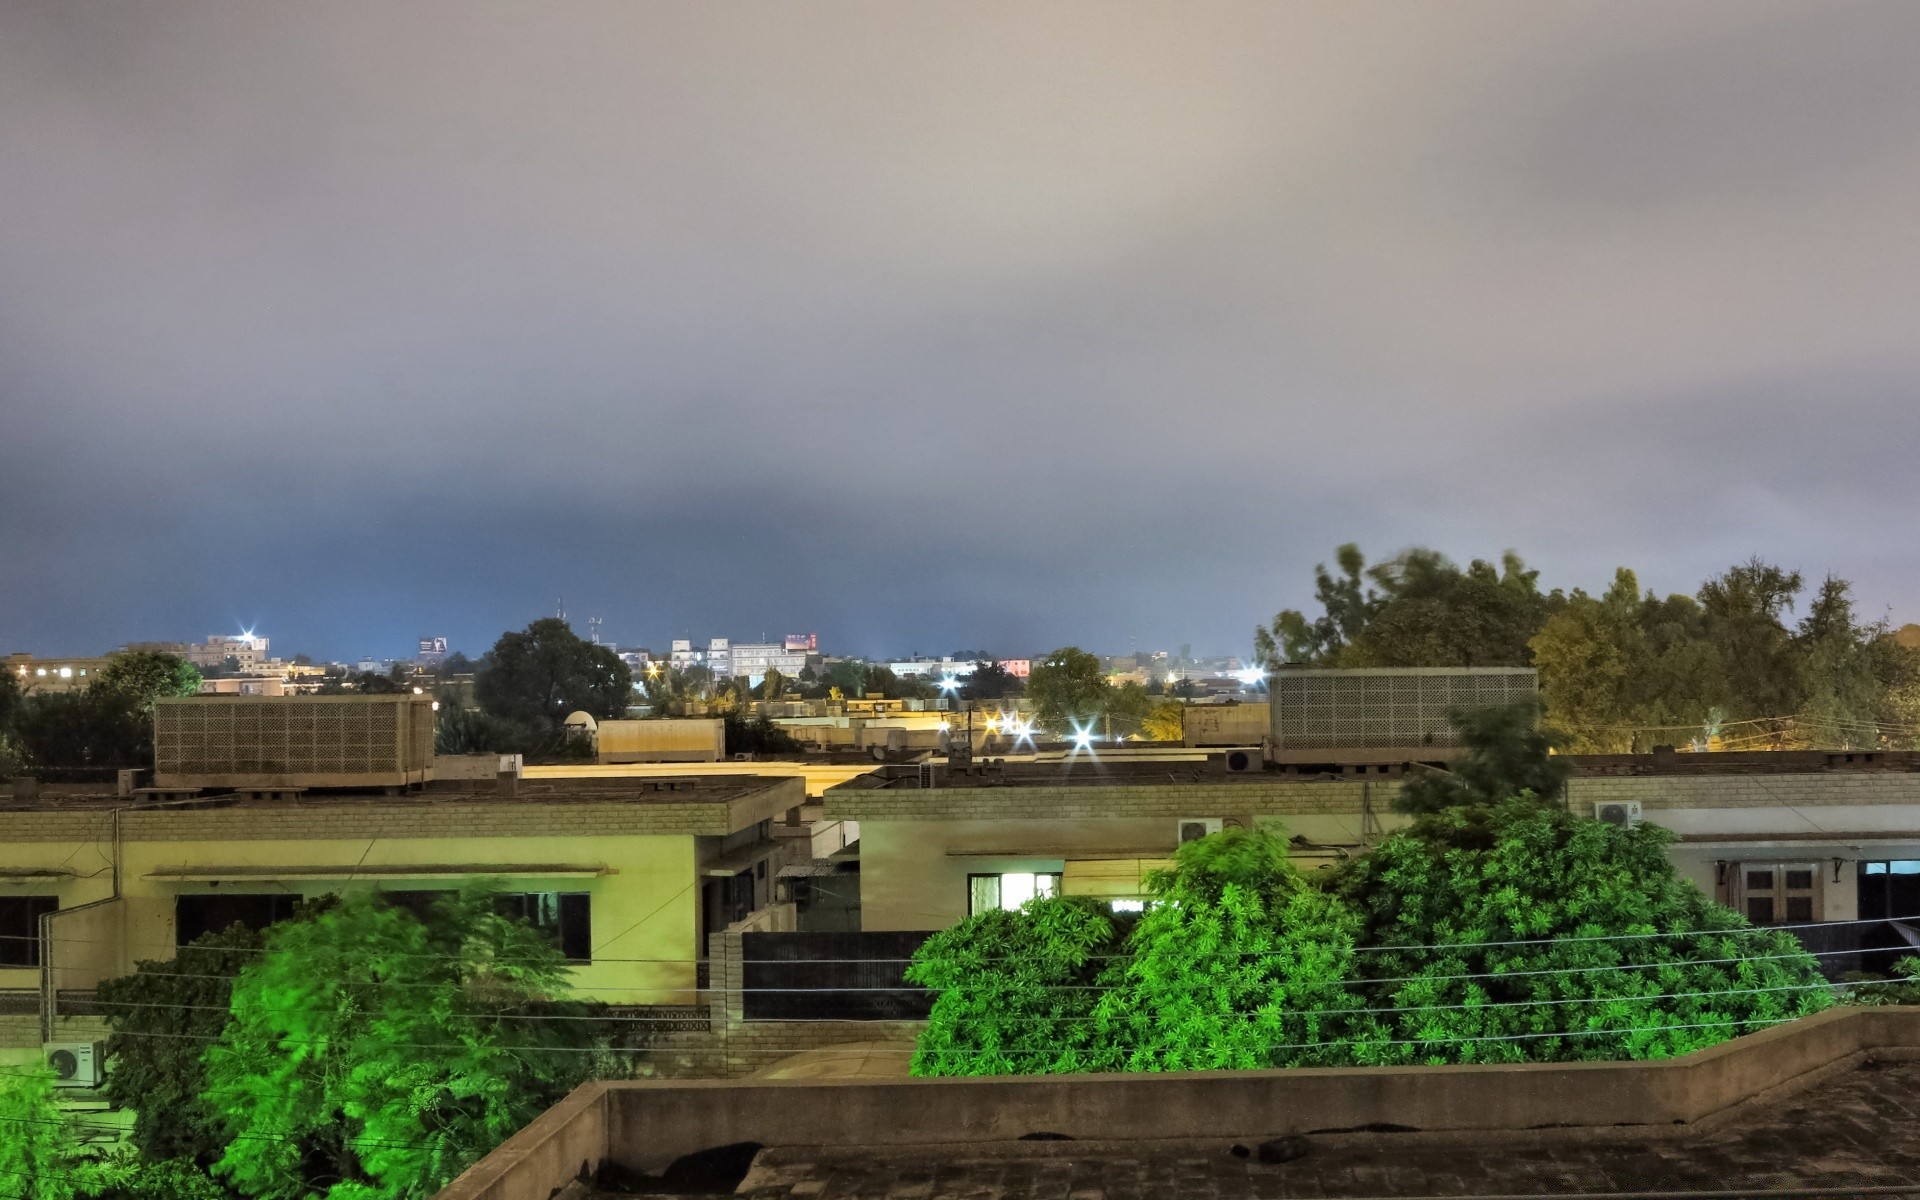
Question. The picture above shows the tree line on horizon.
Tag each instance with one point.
(1728, 666)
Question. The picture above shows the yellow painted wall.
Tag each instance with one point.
(646, 912)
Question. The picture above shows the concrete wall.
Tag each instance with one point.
(674, 739)
(557, 1146)
(645, 1124)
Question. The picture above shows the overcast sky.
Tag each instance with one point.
(932, 326)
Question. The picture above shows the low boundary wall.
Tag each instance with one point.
(646, 1124)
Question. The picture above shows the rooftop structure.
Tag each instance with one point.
(1383, 713)
(293, 741)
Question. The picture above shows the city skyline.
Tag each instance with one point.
(1092, 324)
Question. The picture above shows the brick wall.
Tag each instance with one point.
(403, 819)
(1301, 798)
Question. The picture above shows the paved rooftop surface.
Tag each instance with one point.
(678, 787)
(1858, 1129)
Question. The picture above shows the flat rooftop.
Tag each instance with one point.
(1134, 769)
(1853, 1131)
(653, 790)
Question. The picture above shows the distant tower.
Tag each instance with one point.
(593, 630)
(560, 608)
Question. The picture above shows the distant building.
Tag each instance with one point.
(754, 659)
(248, 652)
(46, 675)
(958, 668)
(639, 660)
(683, 656)
(248, 685)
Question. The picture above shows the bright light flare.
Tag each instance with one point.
(1251, 676)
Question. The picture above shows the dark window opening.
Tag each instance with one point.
(20, 928)
(198, 915)
(564, 918)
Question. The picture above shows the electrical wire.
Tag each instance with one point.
(1406, 947)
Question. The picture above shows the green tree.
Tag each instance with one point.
(1238, 962)
(148, 675)
(847, 675)
(1165, 722)
(371, 1056)
(1417, 609)
(1745, 610)
(1068, 690)
(543, 673)
(1503, 752)
(162, 1017)
(1519, 932)
(93, 729)
(36, 1155)
(990, 681)
(1125, 710)
(1015, 991)
(1346, 603)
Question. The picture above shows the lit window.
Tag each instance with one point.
(1127, 906)
(1008, 891)
(40, 671)
(66, 672)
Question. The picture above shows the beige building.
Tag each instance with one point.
(628, 876)
(1782, 837)
(48, 675)
(248, 651)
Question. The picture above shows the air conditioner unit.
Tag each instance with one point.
(1624, 813)
(76, 1064)
(1192, 829)
(1242, 761)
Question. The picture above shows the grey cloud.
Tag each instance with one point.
(932, 325)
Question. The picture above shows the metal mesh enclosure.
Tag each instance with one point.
(293, 741)
(1384, 708)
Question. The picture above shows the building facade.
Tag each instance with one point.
(1783, 837)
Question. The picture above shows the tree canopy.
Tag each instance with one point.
(1626, 670)
(374, 1056)
(991, 680)
(1499, 927)
(1068, 689)
(540, 675)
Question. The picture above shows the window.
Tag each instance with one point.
(564, 917)
(20, 928)
(215, 911)
(986, 893)
(1778, 894)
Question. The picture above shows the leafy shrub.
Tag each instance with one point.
(1866, 989)
(128, 1177)
(1239, 961)
(34, 1154)
(1593, 909)
(1016, 990)
(372, 1056)
(163, 1017)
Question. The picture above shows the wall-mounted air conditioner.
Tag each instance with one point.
(1192, 829)
(76, 1064)
(1624, 813)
